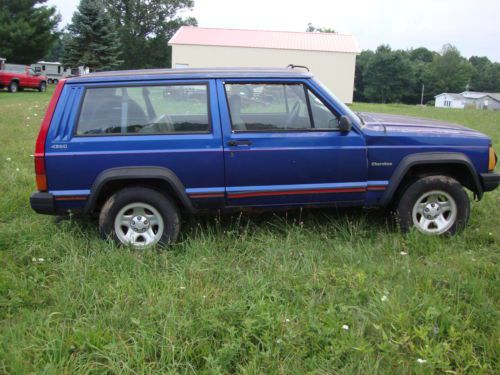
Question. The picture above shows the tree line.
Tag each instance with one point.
(134, 34)
(102, 34)
(389, 76)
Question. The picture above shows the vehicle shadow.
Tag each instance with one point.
(245, 223)
(283, 220)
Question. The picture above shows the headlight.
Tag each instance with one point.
(492, 160)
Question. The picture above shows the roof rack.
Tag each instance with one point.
(292, 66)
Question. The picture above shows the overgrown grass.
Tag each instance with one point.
(266, 293)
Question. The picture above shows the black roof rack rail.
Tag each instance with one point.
(293, 66)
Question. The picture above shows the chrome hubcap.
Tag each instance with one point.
(434, 212)
(139, 224)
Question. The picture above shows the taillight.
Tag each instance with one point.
(41, 176)
(492, 160)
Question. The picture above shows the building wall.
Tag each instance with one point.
(487, 103)
(454, 103)
(335, 70)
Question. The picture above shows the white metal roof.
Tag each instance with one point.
(328, 42)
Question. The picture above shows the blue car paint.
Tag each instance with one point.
(277, 169)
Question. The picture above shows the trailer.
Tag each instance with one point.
(53, 70)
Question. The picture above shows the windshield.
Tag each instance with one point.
(353, 116)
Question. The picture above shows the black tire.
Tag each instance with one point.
(162, 203)
(42, 87)
(55, 81)
(426, 185)
(14, 87)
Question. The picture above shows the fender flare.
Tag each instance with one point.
(138, 173)
(445, 158)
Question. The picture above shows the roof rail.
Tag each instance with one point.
(292, 66)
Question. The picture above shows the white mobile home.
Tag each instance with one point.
(468, 99)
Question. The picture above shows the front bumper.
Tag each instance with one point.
(43, 203)
(490, 181)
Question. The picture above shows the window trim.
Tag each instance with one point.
(334, 112)
(205, 83)
(280, 82)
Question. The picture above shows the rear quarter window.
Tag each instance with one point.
(136, 110)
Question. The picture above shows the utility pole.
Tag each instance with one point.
(422, 96)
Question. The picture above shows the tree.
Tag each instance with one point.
(57, 50)
(421, 54)
(145, 28)
(448, 72)
(387, 76)
(312, 29)
(27, 30)
(485, 75)
(359, 84)
(93, 42)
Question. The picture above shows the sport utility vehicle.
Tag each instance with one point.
(139, 147)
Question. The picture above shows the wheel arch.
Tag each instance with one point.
(159, 178)
(456, 165)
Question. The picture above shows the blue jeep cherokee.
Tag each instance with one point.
(139, 147)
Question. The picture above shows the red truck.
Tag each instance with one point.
(15, 77)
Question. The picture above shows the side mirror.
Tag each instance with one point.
(345, 124)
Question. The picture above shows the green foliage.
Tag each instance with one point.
(250, 294)
(448, 72)
(485, 75)
(144, 29)
(398, 75)
(387, 76)
(313, 29)
(27, 30)
(93, 41)
(57, 50)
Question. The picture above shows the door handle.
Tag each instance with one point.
(239, 143)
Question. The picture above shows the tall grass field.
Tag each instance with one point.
(300, 292)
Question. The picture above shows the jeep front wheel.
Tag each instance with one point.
(42, 87)
(140, 217)
(434, 205)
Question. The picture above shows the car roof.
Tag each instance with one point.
(189, 73)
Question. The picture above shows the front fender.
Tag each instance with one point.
(434, 158)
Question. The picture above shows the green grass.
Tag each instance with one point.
(250, 294)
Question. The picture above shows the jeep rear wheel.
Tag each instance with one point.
(140, 217)
(14, 86)
(434, 205)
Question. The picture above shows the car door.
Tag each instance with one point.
(31, 79)
(281, 150)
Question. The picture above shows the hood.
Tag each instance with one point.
(408, 124)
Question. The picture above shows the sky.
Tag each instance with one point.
(471, 26)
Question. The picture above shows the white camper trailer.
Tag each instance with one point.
(53, 70)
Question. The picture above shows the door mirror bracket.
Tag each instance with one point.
(345, 124)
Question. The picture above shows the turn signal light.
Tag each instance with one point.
(492, 160)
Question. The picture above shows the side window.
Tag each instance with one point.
(267, 107)
(322, 116)
(145, 110)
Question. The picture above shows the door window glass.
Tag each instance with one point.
(267, 107)
(145, 110)
(322, 116)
